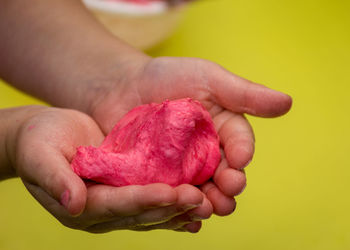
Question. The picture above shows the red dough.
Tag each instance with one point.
(174, 142)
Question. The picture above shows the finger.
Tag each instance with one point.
(231, 182)
(193, 227)
(107, 202)
(158, 218)
(222, 204)
(173, 224)
(240, 95)
(51, 171)
(113, 209)
(237, 138)
(203, 212)
(188, 195)
(179, 223)
(188, 198)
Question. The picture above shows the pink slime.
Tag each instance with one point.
(174, 142)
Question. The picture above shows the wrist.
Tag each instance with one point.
(12, 122)
(62, 61)
(91, 77)
(113, 77)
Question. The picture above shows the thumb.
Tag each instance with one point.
(51, 171)
(242, 96)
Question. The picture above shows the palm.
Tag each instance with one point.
(224, 95)
(47, 144)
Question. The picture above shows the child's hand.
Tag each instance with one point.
(41, 149)
(225, 95)
(84, 67)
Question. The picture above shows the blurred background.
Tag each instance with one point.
(297, 195)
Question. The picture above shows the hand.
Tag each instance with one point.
(106, 78)
(226, 96)
(41, 150)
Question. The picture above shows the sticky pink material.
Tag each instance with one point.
(174, 142)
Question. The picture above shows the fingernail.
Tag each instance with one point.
(65, 199)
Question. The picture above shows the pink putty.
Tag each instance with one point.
(174, 142)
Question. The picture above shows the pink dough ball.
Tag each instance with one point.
(174, 142)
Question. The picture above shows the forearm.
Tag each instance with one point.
(56, 51)
(11, 121)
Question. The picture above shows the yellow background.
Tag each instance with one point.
(299, 182)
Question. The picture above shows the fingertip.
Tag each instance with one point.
(164, 194)
(275, 104)
(231, 182)
(74, 197)
(188, 194)
(193, 227)
(223, 205)
(237, 138)
(240, 154)
(202, 212)
(208, 209)
(288, 103)
(67, 188)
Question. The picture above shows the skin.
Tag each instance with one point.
(73, 62)
(53, 134)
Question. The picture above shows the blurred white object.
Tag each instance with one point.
(141, 25)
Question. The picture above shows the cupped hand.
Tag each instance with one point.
(41, 155)
(226, 96)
